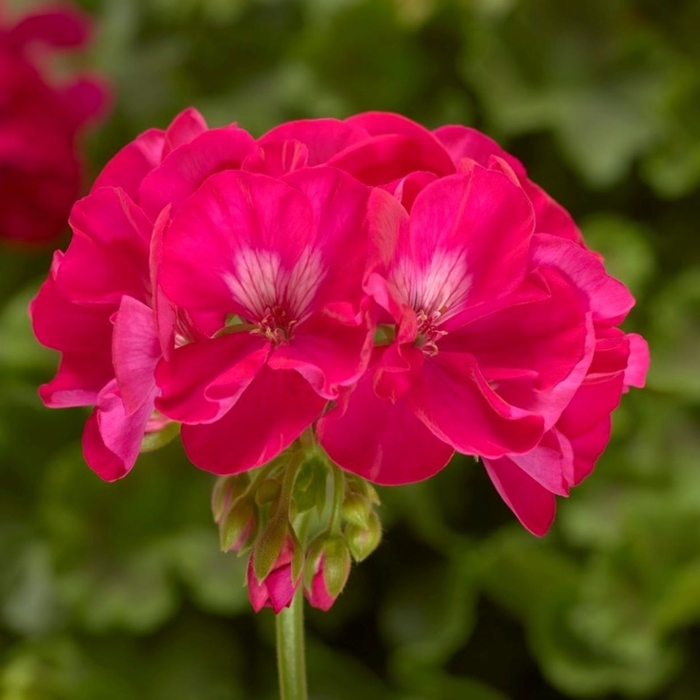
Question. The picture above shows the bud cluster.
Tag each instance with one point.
(301, 521)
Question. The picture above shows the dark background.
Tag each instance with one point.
(114, 592)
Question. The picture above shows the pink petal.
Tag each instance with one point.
(383, 159)
(409, 187)
(85, 99)
(184, 128)
(128, 168)
(609, 299)
(329, 349)
(188, 166)
(322, 137)
(550, 216)
(465, 142)
(339, 208)
(82, 334)
(479, 217)
(202, 380)
(550, 464)
(380, 440)
(270, 414)
(111, 439)
(639, 359)
(268, 220)
(59, 27)
(165, 313)
(108, 255)
(136, 352)
(588, 447)
(451, 396)
(551, 339)
(277, 158)
(424, 146)
(532, 504)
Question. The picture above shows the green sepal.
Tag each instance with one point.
(336, 565)
(238, 526)
(363, 541)
(160, 438)
(269, 545)
(310, 487)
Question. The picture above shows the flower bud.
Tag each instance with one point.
(357, 510)
(225, 491)
(328, 564)
(276, 590)
(267, 491)
(362, 541)
(238, 526)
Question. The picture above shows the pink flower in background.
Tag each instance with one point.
(40, 122)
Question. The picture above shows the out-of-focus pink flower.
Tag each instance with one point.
(40, 121)
(277, 589)
(283, 261)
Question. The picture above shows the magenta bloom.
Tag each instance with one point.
(40, 168)
(400, 293)
(278, 263)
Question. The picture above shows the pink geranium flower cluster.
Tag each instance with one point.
(40, 168)
(405, 293)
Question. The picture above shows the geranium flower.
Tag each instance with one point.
(283, 261)
(40, 167)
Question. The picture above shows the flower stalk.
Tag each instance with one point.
(291, 654)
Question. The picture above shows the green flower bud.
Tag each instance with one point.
(328, 567)
(362, 541)
(225, 491)
(238, 527)
(267, 491)
(357, 510)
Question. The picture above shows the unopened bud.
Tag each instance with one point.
(277, 588)
(328, 565)
(267, 491)
(357, 510)
(238, 526)
(226, 489)
(362, 541)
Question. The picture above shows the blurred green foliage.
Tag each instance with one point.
(114, 592)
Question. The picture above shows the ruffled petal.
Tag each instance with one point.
(532, 504)
(609, 299)
(464, 142)
(380, 440)
(202, 380)
(184, 128)
(111, 439)
(270, 414)
(108, 255)
(323, 138)
(638, 363)
(330, 349)
(188, 166)
(129, 167)
(456, 403)
(136, 351)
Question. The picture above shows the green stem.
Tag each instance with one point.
(291, 660)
